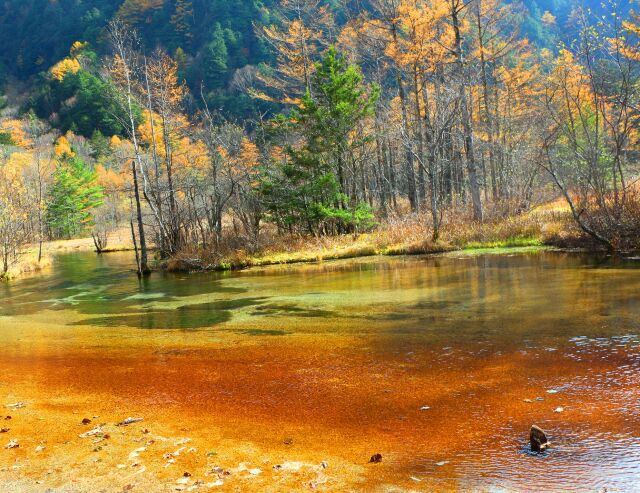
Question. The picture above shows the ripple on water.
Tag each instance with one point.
(575, 463)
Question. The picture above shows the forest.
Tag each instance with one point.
(220, 135)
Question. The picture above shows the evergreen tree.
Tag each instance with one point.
(215, 60)
(74, 193)
(308, 191)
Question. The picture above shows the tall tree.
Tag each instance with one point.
(73, 195)
(310, 189)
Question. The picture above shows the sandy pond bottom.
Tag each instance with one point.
(290, 379)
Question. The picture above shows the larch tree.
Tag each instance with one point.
(302, 34)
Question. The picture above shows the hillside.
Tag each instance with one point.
(210, 39)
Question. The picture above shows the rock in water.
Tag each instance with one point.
(129, 421)
(375, 459)
(538, 439)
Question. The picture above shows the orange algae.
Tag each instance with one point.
(446, 412)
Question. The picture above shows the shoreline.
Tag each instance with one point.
(532, 232)
(229, 264)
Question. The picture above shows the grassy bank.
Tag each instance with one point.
(550, 225)
(28, 263)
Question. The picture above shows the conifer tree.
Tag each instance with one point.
(309, 192)
(73, 195)
(215, 60)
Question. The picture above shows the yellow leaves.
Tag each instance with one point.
(423, 33)
(115, 141)
(65, 66)
(77, 48)
(548, 19)
(63, 147)
(15, 167)
(147, 134)
(71, 64)
(190, 157)
(13, 192)
(16, 129)
(546, 54)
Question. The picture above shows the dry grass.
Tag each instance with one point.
(28, 264)
(409, 235)
(119, 240)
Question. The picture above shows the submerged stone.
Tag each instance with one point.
(538, 439)
(375, 459)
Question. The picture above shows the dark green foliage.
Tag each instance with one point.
(215, 60)
(182, 21)
(81, 102)
(546, 36)
(307, 193)
(5, 139)
(215, 38)
(72, 197)
(35, 34)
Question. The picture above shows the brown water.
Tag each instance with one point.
(332, 362)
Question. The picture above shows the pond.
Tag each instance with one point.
(292, 377)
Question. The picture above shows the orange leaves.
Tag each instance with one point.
(163, 80)
(426, 34)
(119, 71)
(629, 45)
(249, 155)
(298, 41)
(190, 158)
(147, 134)
(109, 180)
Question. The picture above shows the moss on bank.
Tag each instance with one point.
(230, 264)
(409, 235)
(239, 260)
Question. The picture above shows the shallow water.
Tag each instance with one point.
(339, 358)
